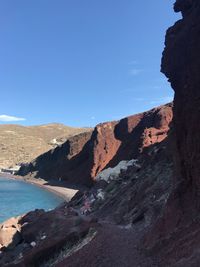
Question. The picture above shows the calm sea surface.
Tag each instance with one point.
(17, 197)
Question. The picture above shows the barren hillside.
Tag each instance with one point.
(23, 144)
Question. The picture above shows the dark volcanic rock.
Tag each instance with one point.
(177, 233)
(43, 237)
(181, 64)
(65, 162)
(82, 157)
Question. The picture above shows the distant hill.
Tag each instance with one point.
(22, 144)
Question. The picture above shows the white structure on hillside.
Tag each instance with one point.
(11, 170)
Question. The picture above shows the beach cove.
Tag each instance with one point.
(19, 195)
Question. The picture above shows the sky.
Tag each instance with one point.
(81, 62)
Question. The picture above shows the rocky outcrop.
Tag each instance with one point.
(82, 157)
(42, 237)
(65, 162)
(133, 191)
(96, 225)
(127, 138)
(181, 64)
(177, 232)
(9, 233)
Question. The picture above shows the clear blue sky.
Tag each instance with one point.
(81, 62)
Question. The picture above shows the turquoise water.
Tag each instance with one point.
(17, 197)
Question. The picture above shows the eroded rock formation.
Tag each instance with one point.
(82, 157)
(181, 64)
(177, 232)
(39, 238)
(96, 225)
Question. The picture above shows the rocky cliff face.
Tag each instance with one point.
(177, 232)
(65, 162)
(181, 64)
(125, 205)
(82, 157)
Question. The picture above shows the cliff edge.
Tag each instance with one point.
(81, 158)
(177, 233)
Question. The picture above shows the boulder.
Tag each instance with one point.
(44, 236)
(10, 233)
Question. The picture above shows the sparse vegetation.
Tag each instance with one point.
(19, 144)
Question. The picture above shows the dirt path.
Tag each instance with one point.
(112, 247)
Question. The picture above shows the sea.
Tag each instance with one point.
(18, 197)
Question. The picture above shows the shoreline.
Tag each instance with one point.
(66, 193)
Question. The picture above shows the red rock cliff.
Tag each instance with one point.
(177, 233)
(82, 157)
(181, 64)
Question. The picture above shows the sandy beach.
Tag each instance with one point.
(61, 190)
